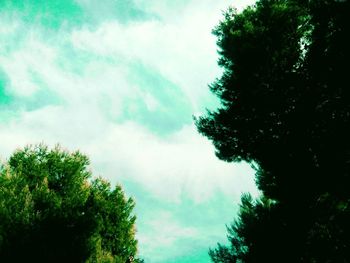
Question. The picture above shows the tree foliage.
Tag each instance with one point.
(51, 210)
(286, 106)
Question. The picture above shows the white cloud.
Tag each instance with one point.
(182, 49)
(166, 230)
(179, 46)
(88, 70)
(163, 234)
(180, 164)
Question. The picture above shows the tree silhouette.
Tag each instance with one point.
(286, 107)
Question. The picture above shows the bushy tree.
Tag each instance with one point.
(51, 210)
(286, 107)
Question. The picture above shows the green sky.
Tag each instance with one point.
(120, 80)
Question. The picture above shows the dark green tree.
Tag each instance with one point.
(286, 107)
(51, 210)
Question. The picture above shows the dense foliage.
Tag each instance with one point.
(52, 211)
(286, 107)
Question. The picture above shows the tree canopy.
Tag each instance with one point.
(52, 210)
(286, 107)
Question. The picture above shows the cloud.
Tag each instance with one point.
(179, 49)
(123, 91)
(180, 164)
(164, 233)
(122, 10)
(176, 42)
(167, 230)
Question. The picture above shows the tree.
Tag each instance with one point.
(51, 210)
(286, 107)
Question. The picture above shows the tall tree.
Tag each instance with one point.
(286, 107)
(51, 210)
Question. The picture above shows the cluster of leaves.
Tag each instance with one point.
(52, 211)
(286, 107)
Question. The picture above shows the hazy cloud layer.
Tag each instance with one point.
(120, 80)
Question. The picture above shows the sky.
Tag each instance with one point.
(120, 80)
